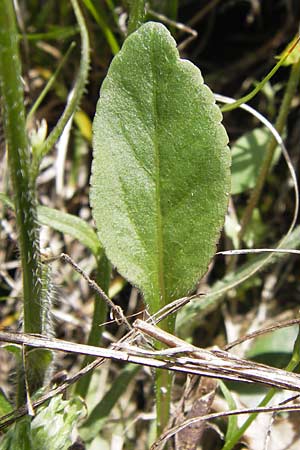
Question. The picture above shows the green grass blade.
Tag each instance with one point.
(261, 84)
(49, 84)
(78, 89)
(72, 225)
(99, 415)
(232, 426)
(101, 21)
(188, 317)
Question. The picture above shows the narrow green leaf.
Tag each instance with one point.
(56, 33)
(160, 180)
(5, 406)
(189, 316)
(72, 225)
(99, 415)
(232, 420)
(65, 223)
(99, 16)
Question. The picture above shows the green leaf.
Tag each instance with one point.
(248, 153)
(5, 406)
(278, 342)
(53, 428)
(18, 437)
(160, 181)
(54, 425)
(100, 413)
(232, 427)
(65, 223)
(190, 315)
(72, 225)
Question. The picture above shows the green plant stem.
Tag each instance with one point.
(172, 14)
(136, 16)
(260, 85)
(19, 163)
(78, 90)
(163, 399)
(99, 317)
(291, 88)
(163, 385)
(19, 166)
(295, 359)
(99, 16)
(173, 9)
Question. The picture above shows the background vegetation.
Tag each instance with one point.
(235, 47)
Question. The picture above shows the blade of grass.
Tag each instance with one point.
(50, 83)
(260, 85)
(295, 359)
(232, 426)
(77, 92)
(101, 21)
(99, 415)
(290, 91)
(59, 33)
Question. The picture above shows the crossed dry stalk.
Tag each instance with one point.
(178, 357)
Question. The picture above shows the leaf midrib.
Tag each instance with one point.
(161, 301)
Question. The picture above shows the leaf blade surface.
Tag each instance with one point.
(160, 175)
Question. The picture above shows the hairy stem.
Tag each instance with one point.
(291, 88)
(19, 160)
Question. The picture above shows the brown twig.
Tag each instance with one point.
(116, 310)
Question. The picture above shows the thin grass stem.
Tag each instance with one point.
(78, 90)
(291, 88)
(295, 359)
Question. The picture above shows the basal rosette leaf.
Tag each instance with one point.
(161, 169)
